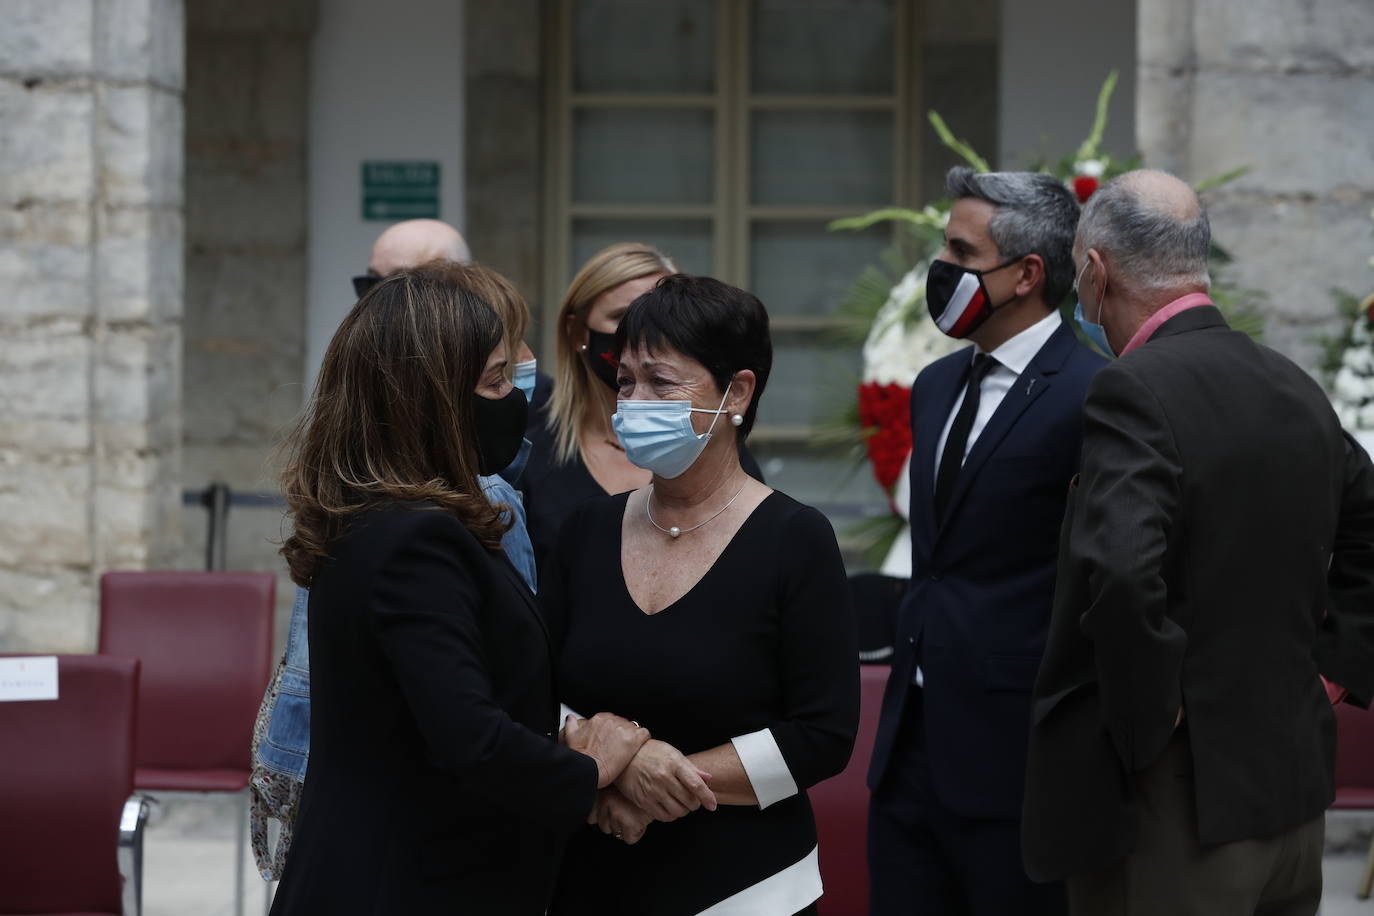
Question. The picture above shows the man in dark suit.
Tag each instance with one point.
(996, 434)
(1217, 556)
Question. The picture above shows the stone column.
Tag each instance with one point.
(1285, 87)
(504, 159)
(90, 332)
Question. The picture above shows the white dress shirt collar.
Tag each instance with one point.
(1016, 353)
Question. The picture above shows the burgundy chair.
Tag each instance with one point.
(841, 806)
(1355, 772)
(205, 642)
(72, 834)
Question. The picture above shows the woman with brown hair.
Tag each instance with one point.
(576, 455)
(434, 781)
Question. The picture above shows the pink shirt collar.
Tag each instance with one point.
(1147, 330)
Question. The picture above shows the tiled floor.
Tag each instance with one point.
(189, 854)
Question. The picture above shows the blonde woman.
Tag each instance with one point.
(576, 456)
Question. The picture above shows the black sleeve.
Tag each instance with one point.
(1345, 645)
(424, 600)
(1128, 497)
(819, 659)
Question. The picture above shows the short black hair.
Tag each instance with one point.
(720, 326)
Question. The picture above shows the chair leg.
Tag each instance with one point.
(239, 860)
(1368, 880)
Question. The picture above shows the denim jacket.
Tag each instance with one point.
(285, 747)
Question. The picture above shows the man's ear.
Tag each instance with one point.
(1032, 272)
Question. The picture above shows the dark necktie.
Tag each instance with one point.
(957, 442)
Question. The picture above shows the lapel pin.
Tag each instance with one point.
(1031, 384)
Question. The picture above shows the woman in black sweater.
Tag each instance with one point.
(713, 610)
(575, 455)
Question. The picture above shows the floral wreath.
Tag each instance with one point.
(1349, 363)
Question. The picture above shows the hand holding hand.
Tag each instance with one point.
(663, 783)
(617, 816)
(608, 739)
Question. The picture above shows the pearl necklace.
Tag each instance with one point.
(675, 531)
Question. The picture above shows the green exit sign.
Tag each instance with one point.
(400, 190)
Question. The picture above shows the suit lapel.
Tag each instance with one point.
(517, 584)
(1025, 391)
(926, 426)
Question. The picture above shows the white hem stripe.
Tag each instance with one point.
(781, 894)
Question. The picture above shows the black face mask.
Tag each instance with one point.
(957, 299)
(500, 427)
(600, 355)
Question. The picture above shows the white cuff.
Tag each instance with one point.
(765, 767)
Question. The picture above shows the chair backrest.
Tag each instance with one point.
(841, 807)
(66, 769)
(1354, 747)
(205, 641)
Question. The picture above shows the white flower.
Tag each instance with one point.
(1093, 168)
(903, 340)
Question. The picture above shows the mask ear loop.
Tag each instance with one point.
(720, 409)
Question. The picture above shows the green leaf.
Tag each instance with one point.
(1104, 96)
(898, 214)
(879, 532)
(1334, 345)
(962, 147)
(1208, 184)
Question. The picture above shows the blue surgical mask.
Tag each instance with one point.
(525, 377)
(658, 435)
(1092, 330)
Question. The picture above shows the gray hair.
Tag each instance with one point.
(1154, 249)
(1035, 214)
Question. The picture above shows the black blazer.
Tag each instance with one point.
(434, 784)
(1217, 554)
(982, 583)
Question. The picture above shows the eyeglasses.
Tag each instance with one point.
(364, 283)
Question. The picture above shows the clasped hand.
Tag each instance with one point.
(664, 784)
(608, 739)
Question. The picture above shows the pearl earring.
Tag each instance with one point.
(737, 419)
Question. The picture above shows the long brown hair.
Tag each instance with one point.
(391, 415)
(499, 293)
(577, 392)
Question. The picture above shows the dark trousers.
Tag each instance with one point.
(925, 860)
(1170, 872)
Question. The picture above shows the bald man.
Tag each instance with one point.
(409, 244)
(1216, 558)
(413, 242)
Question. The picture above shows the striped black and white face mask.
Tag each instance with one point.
(957, 299)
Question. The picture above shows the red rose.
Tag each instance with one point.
(884, 414)
(1083, 187)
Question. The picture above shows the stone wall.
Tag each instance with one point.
(960, 63)
(247, 67)
(90, 334)
(503, 45)
(1285, 87)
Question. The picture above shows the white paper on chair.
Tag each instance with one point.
(33, 677)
